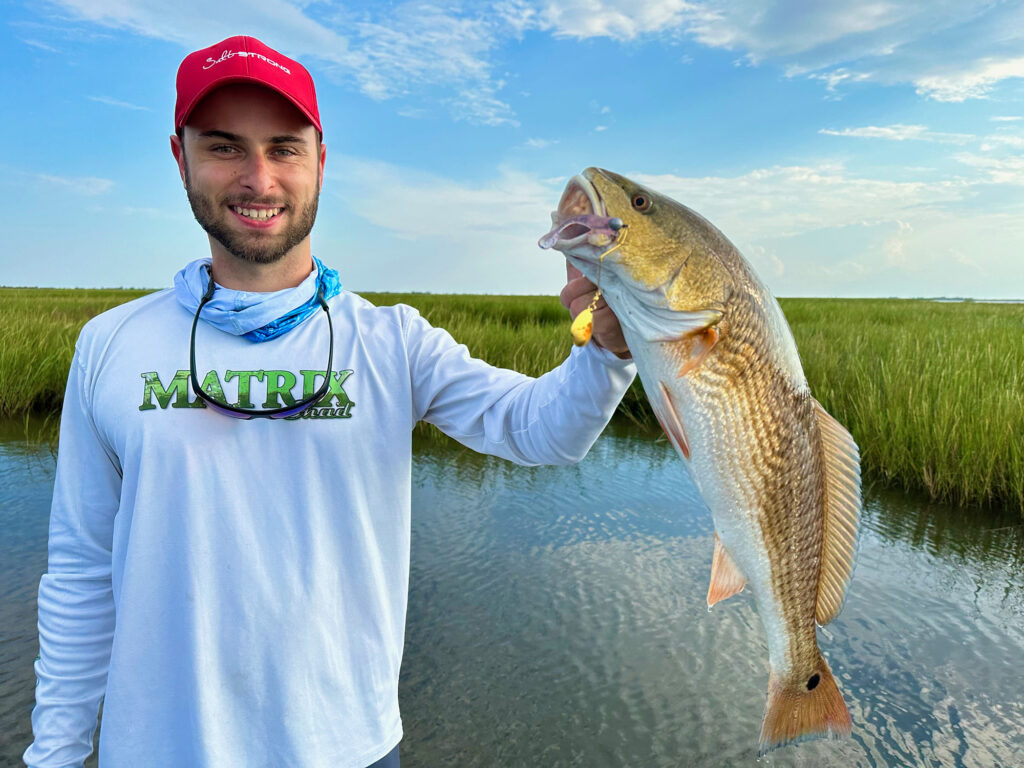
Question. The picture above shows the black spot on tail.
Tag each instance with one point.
(813, 682)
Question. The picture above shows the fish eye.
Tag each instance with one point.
(641, 202)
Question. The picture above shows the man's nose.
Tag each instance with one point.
(256, 174)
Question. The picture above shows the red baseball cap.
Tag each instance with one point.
(243, 59)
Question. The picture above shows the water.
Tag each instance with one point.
(557, 618)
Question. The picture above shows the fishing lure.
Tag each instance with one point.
(582, 327)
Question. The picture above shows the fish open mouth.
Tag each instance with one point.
(581, 213)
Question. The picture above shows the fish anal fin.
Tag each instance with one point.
(841, 520)
(698, 345)
(671, 424)
(811, 709)
(726, 579)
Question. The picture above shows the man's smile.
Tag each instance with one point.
(256, 217)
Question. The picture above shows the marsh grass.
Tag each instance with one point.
(932, 392)
(38, 328)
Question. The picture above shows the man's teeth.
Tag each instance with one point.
(257, 213)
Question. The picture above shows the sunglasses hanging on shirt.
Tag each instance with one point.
(268, 413)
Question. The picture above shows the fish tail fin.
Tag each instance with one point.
(813, 709)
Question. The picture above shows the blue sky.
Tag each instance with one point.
(847, 148)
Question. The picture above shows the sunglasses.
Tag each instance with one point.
(268, 413)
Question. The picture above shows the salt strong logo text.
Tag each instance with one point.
(279, 385)
(230, 54)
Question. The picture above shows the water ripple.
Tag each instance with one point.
(557, 618)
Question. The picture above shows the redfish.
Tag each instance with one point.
(721, 370)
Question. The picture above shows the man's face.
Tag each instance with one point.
(252, 166)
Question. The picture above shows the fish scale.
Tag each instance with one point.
(748, 421)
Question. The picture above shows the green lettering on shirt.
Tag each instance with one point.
(279, 383)
(244, 383)
(177, 389)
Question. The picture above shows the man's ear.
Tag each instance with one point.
(323, 158)
(178, 150)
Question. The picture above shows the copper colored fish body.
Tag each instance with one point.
(721, 370)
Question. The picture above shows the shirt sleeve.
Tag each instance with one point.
(553, 419)
(76, 604)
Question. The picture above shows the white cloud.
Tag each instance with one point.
(540, 143)
(435, 206)
(835, 234)
(434, 233)
(900, 132)
(808, 230)
(790, 27)
(894, 248)
(387, 51)
(41, 46)
(599, 128)
(195, 24)
(999, 140)
(949, 50)
(785, 201)
(765, 260)
(998, 170)
(78, 185)
(116, 103)
(622, 19)
(1005, 118)
(420, 43)
(974, 81)
(833, 79)
(413, 112)
(480, 106)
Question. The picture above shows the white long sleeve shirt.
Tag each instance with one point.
(235, 591)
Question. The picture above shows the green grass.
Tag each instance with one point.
(932, 392)
(38, 328)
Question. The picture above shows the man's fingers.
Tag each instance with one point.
(577, 295)
(608, 331)
(576, 289)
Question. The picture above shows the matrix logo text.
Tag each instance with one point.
(279, 386)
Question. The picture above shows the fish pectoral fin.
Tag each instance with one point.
(726, 579)
(841, 521)
(698, 345)
(674, 325)
(671, 424)
(658, 324)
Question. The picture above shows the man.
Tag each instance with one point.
(234, 589)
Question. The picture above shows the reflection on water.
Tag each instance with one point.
(557, 618)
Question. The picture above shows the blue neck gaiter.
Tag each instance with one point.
(252, 315)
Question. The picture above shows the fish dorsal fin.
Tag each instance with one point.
(726, 579)
(841, 463)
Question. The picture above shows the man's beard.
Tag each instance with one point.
(255, 248)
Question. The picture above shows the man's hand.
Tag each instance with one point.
(576, 296)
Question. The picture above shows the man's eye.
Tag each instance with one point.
(285, 151)
(222, 149)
